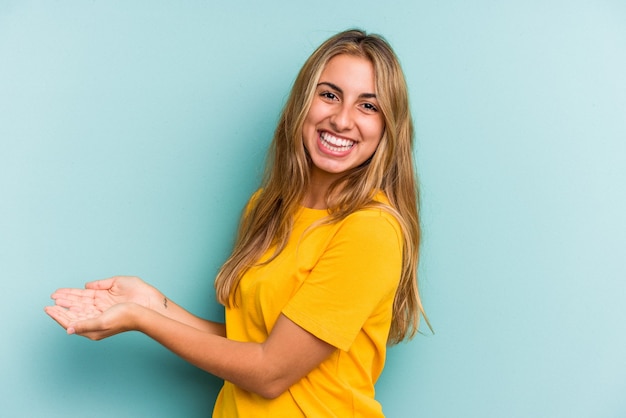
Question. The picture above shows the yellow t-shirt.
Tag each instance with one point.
(337, 282)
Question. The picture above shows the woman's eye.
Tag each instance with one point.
(328, 95)
(370, 107)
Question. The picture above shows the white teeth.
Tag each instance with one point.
(335, 144)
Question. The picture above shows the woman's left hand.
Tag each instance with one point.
(95, 324)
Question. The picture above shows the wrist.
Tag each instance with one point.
(157, 301)
(138, 315)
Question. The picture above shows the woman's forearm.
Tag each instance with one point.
(267, 369)
(203, 344)
(172, 310)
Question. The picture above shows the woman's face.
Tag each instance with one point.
(344, 125)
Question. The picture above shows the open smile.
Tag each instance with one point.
(335, 144)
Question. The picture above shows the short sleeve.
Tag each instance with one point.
(359, 269)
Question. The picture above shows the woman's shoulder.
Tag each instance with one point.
(252, 201)
(380, 214)
(379, 206)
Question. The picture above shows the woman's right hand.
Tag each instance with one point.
(100, 295)
(72, 305)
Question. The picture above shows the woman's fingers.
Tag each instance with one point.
(62, 316)
(74, 295)
(83, 327)
(101, 284)
(96, 327)
(68, 302)
(72, 323)
(67, 316)
(75, 301)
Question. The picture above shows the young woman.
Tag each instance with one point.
(323, 274)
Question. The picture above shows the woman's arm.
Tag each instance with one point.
(98, 296)
(267, 368)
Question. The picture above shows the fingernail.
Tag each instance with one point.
(71, 331)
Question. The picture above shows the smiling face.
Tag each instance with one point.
(344, 125)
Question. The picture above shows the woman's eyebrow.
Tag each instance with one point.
(331, 85)
(340, 91)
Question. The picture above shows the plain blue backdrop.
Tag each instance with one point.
(131, 134)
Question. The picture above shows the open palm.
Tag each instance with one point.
(73, 305)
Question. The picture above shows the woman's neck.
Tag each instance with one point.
(315, 196)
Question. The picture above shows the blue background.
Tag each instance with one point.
(131, 134)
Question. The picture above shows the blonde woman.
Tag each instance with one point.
(322, 277)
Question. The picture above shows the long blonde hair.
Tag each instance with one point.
(269, 220)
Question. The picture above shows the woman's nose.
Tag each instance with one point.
(342, 119)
